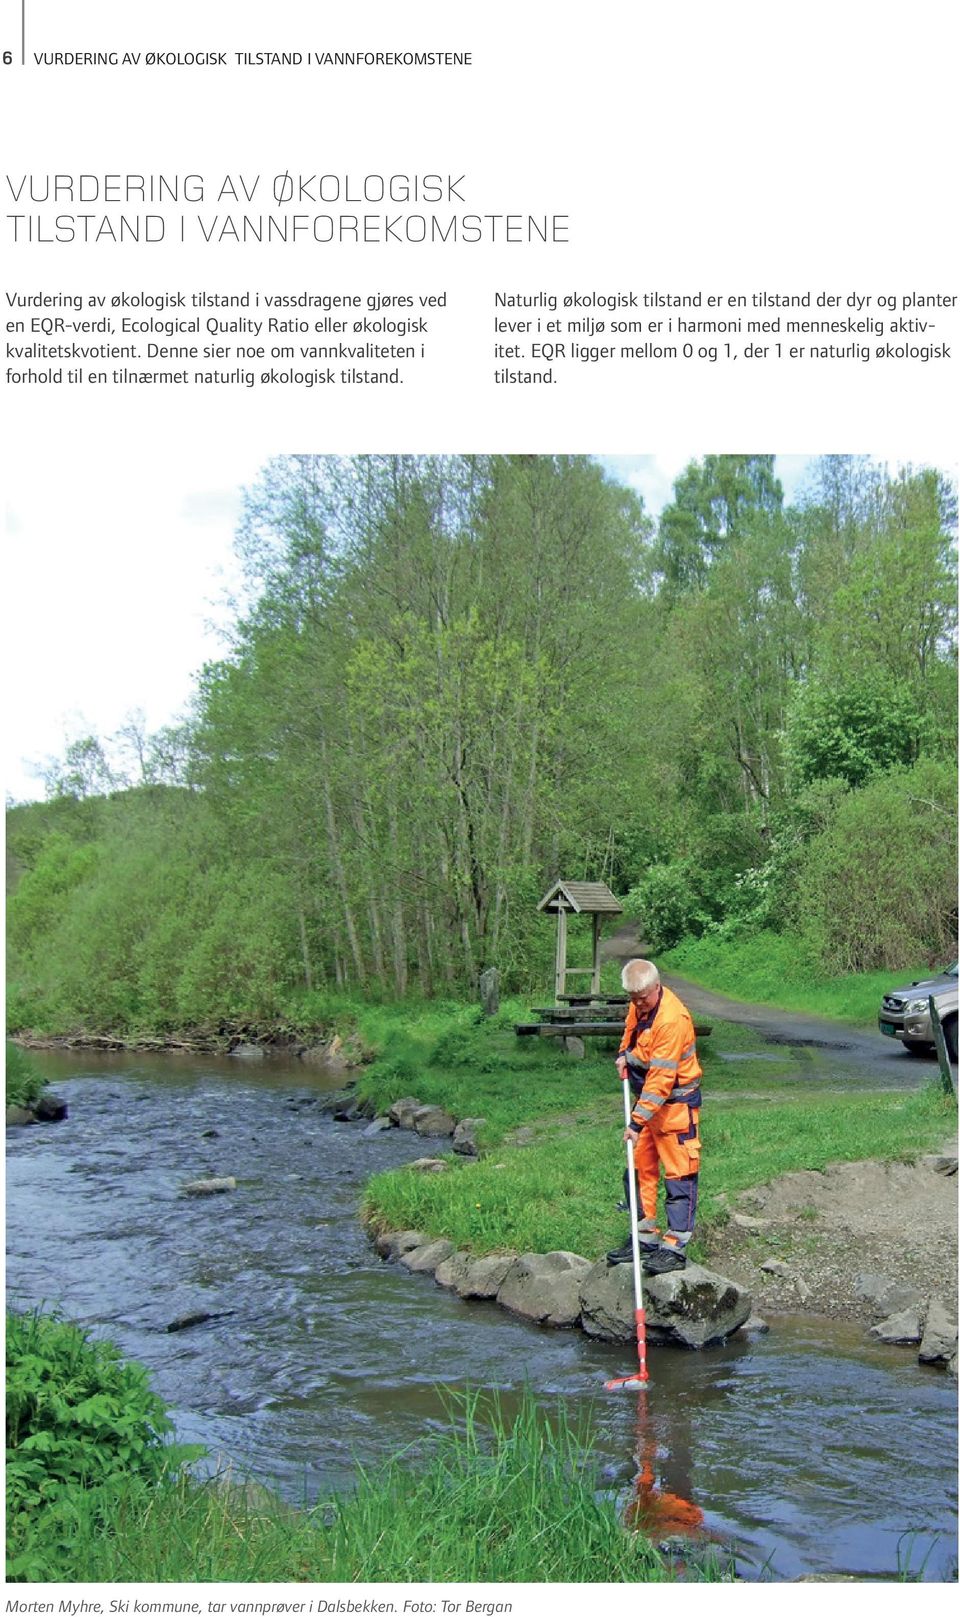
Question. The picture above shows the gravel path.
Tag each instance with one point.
(859, 1052)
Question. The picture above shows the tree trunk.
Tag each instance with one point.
(304, 948)
(339, 876)
(398, 931)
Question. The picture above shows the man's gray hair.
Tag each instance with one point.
(639, 975)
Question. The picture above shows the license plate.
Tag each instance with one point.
(887, 1027)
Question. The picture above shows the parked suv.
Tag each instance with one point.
(905, 1012)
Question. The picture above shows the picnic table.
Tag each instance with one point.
(584, 1016)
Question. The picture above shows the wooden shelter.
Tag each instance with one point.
(578, 898)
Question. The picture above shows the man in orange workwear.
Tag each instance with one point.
(658, 1054)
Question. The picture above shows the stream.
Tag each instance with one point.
(807, 1453)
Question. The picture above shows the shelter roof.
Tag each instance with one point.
(583, 897)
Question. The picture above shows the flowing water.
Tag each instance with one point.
(807, 1452)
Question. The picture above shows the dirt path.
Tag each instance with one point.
(851, 1049)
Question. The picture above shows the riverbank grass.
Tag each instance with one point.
(24, 1085)
(501, 1499)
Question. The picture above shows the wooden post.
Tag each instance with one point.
(561, 949)
(946, 1076)
(595, 979)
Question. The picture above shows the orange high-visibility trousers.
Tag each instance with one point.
(673, 1140)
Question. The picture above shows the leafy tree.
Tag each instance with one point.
(451, 679)
(869, 901)
(85, 770)
(854, 730)
(667, 905)
(712, 500)
(876, 573)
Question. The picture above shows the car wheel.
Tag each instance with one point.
(950, 1037)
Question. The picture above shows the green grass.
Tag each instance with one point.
(560, 1189)
(750, 1143)
(477, 1067)
(23, 1083)
(772, 969)
(500, 1500)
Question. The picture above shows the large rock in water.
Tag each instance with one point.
(394, 1243)
(544, 1286)
(691, 1307)
(939, 1344)
(49, 1108)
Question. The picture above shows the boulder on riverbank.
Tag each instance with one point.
(401, 1111)
(544, 1287)
(394, 1243)
(465, 1136)
(433, 1122)
(903, 1329)
(691, 1307)
(939, 1342)
(474, 1277)
(887, 1296)
(47, 1108)
(424, 1259)
(336, 1055)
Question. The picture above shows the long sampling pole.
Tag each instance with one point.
(640, 1377)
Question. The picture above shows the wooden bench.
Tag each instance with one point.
(570, 1029)
(583, 1020)
(594, 999)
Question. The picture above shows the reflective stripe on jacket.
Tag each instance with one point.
(668, 1050)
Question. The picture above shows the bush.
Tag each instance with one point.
(40, 896)
(855, 730)
(878, 887)
(667, 905)
(24, 1084)
(78, 1419)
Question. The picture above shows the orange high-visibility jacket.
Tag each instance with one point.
(668, 1050)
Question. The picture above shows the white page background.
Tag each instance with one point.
(730, 147)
